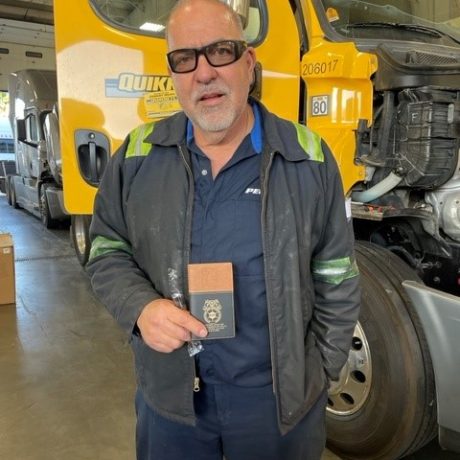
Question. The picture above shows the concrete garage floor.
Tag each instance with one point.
(66, 384)
(66, 374)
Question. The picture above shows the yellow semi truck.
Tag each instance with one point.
(379, 80)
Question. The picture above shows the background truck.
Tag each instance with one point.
(379, 80)
(7, 163)
(37, 184)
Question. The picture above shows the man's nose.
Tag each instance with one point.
(204, 70)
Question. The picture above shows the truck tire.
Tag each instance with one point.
(384, 406)
(8, 189)
(45, 214)
(79, 232)
(14, 201)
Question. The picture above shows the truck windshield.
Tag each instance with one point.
(431, 21)
(149, 17)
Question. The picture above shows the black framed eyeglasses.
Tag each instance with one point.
(218, 54)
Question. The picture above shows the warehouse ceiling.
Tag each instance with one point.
(35, 18)
(36, 11)
(27, 22)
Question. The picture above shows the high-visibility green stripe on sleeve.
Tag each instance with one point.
(334, 271)
(102, 246)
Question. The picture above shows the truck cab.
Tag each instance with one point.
(35, 185)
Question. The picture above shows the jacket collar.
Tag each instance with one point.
(169, 131)
(279, 134)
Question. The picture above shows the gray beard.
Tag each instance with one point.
(210, 122)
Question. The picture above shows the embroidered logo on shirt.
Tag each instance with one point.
(252, 191)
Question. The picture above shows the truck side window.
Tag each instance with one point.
(149, 17)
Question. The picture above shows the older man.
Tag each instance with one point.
(226, 181)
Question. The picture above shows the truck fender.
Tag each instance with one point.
(440, 316)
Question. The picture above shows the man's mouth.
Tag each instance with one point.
(211, 97)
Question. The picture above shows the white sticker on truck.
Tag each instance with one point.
(319, 106)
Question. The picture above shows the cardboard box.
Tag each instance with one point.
(7, 282)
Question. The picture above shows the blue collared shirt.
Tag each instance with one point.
(227, 228)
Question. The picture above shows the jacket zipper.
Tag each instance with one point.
(270, 318)
(196, 379)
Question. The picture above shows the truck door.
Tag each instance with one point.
(112, 76)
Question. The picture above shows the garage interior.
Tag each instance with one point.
(67, 380)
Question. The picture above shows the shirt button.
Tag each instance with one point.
(204, 172)
(210, 372)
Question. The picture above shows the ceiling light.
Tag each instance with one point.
(152, 27)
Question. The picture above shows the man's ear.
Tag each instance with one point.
(251, 57)
(255, 88)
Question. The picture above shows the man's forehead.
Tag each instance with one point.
(196, 36)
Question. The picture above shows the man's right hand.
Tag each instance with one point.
(165, 327)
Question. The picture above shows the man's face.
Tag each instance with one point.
(212, 97)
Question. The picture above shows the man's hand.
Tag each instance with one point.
(165, 327)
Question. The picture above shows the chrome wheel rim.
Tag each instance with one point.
(351, 391)
(80, 234)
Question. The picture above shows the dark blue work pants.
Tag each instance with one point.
(236, 422)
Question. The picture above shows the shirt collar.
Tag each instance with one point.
(256, 132)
